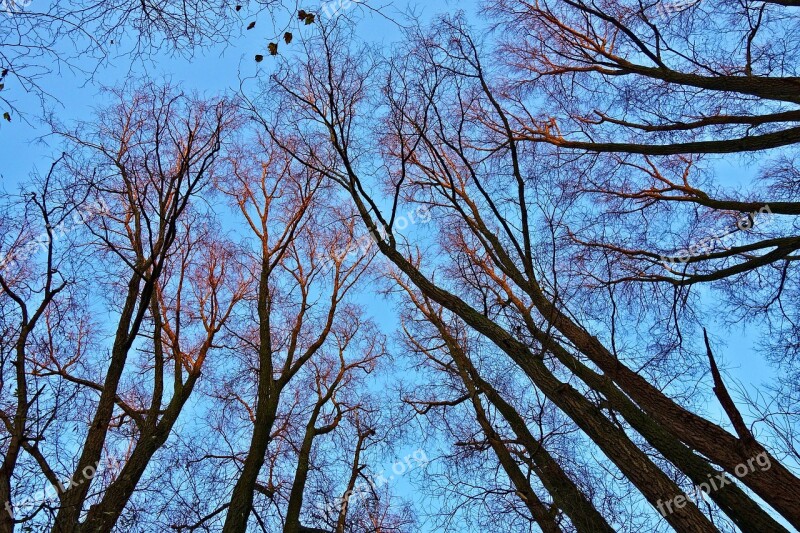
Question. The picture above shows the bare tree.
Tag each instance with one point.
(170, 286)
(181, 345)
(34, 275)
(438, 154)
(43, 38)
(300, 314)
(521, 456)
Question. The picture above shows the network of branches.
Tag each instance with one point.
(498, 259)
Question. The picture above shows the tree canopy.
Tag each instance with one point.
(494, 276)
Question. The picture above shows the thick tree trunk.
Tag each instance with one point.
(295, 505)
(74, 498)
(103, 516)
(268, 397)
(244, 490)
(734, 502)
(566, 495)
(15, 443)
(776, 485)
(632, 462)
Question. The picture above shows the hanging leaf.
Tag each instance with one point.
(259, 58)
(302, 14)
(251, 25)
(287, 37)
(7, 116)
(5, 73)
(309, 19)
(2, 86)
(273, 49)
(238, 8)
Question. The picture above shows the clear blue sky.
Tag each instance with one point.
(209, 72)
(25, 147)
(219, 69)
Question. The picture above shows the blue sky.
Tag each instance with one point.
(25, 146)
(23, 149)
(209, 72)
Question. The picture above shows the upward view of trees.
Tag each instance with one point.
(478, 280)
